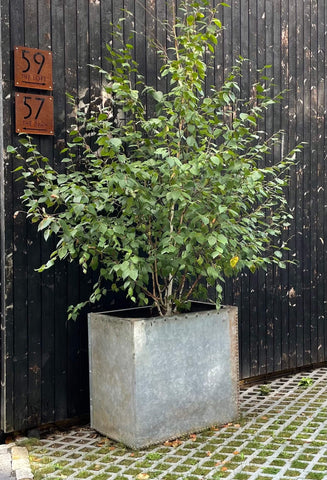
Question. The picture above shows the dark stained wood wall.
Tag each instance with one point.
(282, 313)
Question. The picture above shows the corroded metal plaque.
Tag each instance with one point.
(33, 68)
(34, 114)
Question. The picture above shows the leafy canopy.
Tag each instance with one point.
(157, 199)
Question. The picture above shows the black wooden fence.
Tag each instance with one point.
(44, 369)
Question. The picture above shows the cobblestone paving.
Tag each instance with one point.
(282, 434)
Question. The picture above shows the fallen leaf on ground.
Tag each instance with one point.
(143, 476)
(173, 443)
(224, 469)
(227, 425)
(176, 443)
(208, 454)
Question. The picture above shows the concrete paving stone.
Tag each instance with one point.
(19, 453)
(23, 474)
(5, 463)
(281, 435)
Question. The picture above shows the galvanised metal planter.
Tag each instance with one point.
(156, 378)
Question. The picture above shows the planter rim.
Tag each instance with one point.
(210, 307)
(116, 313)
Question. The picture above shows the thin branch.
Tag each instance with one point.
(181, 287)
(193, 286)
(156, 299)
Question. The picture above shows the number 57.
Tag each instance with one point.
(30, 108)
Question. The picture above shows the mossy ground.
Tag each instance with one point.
(282, 433)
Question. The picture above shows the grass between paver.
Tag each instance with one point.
(282, 433)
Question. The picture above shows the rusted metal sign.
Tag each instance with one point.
(33, 68)
(34, 114)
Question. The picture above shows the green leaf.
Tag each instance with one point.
(222, 239)
(45, 223)
(163, 152)
(158, 96)
(47, 265)
(133, 273)
(115, 142)
(191, 142)
(212, 272)
(217, 253)
(212, 240)
(190, 20)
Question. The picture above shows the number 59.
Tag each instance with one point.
(37, 58)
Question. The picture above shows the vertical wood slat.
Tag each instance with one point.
(299, 219)
(6, 319)
(275, 114)
(33, 320)
(321, 186)
(60, 269)
(284, 119)
(313, 186)
(47, 303)
(292, 191)
(71, 87)
(324, 215)
(282, 313)
(20, 330)
(253, 279)
(269, 316)
(307, 211)
(261, 288)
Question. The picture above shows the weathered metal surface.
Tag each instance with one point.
(33, 68)
(34, 114)
(152, 379)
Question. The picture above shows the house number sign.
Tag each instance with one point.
(34, 114)
(34, 111)
(33, 68)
